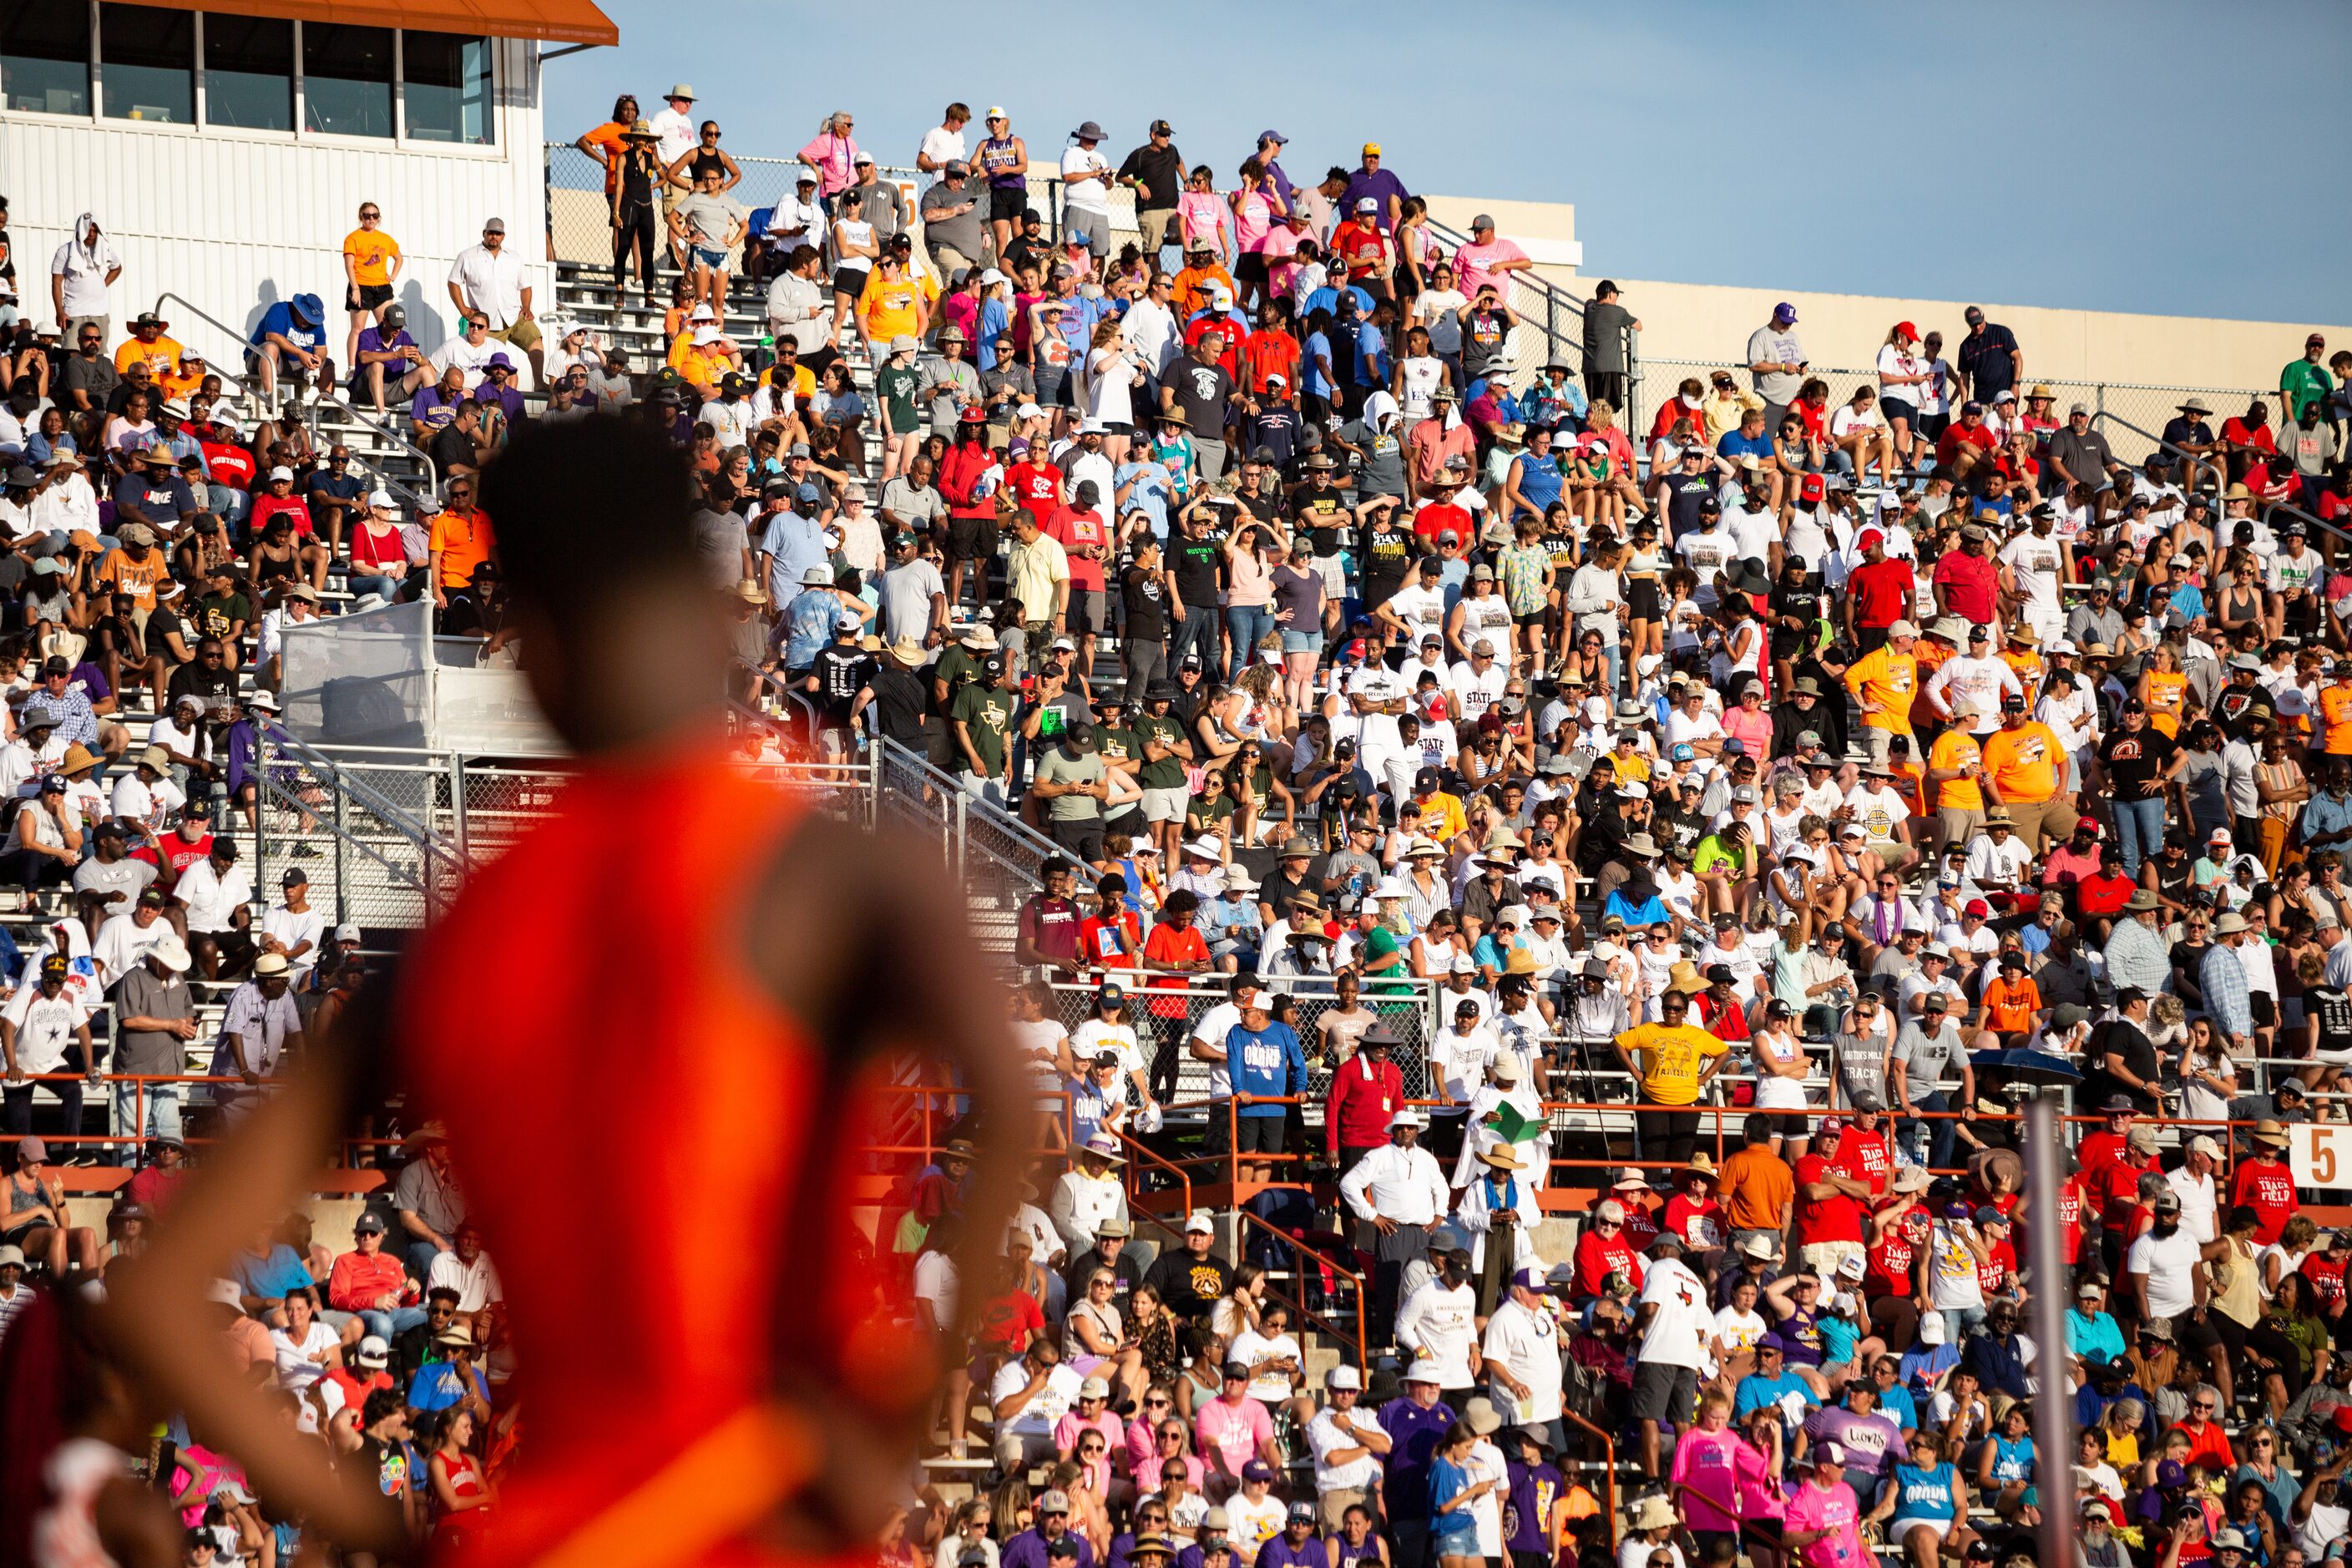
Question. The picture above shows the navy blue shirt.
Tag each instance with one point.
(1984, 360)
(1999, 1367)
(1413, 1435)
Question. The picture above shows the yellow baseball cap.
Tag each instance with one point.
(1371, 149)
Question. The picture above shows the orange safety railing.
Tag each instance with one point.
(1340, 1274)
(1140, 1154)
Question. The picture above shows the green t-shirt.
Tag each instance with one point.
(987, 712)
(896, 385)
(1116, 745)
(1168, 772)
(1204, 813)
(217, 613)
(1715, 850)
(957, 668)
(1054, 767)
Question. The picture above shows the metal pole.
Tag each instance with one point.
(261, 784)
(2054, 1414)
(342, 860)
(458, 805)
(962, 832)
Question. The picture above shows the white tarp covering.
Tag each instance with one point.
(381, 677)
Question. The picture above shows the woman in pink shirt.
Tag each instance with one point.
(833, 154)
(1748, 723)
(1200, 213)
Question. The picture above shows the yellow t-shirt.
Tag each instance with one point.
(372, 253)
(1957, 749)
(1670, 1059)
(2024, 761)
(1632, 767)
(1890, 679)
(889, 306)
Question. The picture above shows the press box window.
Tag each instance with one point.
(147, 61)
(347, 75)
(248, 72)
(446, 89)
(45, 56)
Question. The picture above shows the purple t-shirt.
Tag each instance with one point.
(1871, 1442)
(1377, 183)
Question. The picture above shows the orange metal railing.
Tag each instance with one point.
(1340, 1275)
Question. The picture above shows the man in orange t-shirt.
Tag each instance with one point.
(460, 540)
(1758, 1186)
(2013, 1004)
(2024, 764)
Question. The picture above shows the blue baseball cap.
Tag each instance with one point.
(1681, 753)
(1784, 311)
(1277, 137)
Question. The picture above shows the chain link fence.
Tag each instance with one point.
(1165, 1019)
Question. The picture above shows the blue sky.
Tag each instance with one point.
(2064, 155)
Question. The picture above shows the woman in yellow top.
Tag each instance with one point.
(372, 261)
(2165, 688)
(1671, 1061)
(2020, 656)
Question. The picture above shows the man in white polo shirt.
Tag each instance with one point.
(1347, 1445)
(1523, 1359)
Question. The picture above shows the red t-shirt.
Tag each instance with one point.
(1168, 944)
(2326, 1277)
(1109, 944)
(1441, 517)
(173, 853)
(1883, 591)
(1890, 1262)
(1641, 1225)
(295, 509)
(2116, 1189)
(1969, 583)
(1363, 247)
(2098, 1151)
(2070, 1217)
(228, 465)
(1701, 1225)
(1727, 1022)
(1863, 1156)
(1037, 487)
(1072, 528)
(1597, 1259)
(1999, 1263)
(2268, 1188)
(1006, 1322)
(1957, 435)
(1834, 1218)
(2097, 895)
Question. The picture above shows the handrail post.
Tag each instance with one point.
(457, 803)
(343, 861)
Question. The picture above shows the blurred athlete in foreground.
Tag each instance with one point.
(658, 1016)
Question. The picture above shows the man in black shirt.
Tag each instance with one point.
(2123, 1062)
(894, 698)
(1990, 358)
(837, 676)
(1195, 564)
(89, 377)
(1192, 1281)
(1198, 387)
(1155, 172)
(1143, 606)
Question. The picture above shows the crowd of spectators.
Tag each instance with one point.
(1804, 778)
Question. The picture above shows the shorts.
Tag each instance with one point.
(1535, 619)
(1663, 1392)
(1824, 1257)
(2209, 1335)
(1898, 1529)
(1082, 836)
(1166, 804)
(1089, 224)
(1262, 1134)
(1301, 642)
(2264, 1008)
(714, 259)
(1896, 408)
(366, 296)
(1334, 579)
(1007, 204)
(1642, 601)
(1251, 267)
(1085, 611)
(524, 335)
(972, 539)
(849, 281)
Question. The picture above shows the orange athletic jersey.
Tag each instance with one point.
(2335, 718)
(574, 1051)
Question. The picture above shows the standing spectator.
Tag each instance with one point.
(1777, 360)
(1086, 192)
(943, 143)
(1155, 172)
(1606, 325)
(1990, 358)
(1377, 185)
(488, 280)
(84, 267)
(371, 264)
(1397, 1192)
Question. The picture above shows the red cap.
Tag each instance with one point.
(1906, 330)
(1978, 906)
(1811, 488)
(1868, 537)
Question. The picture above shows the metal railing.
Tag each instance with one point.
(1327, 1294)
(232, 373)
(1545, 308)
(385, 434)
(2156, 443)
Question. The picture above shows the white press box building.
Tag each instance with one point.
(225, 147)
